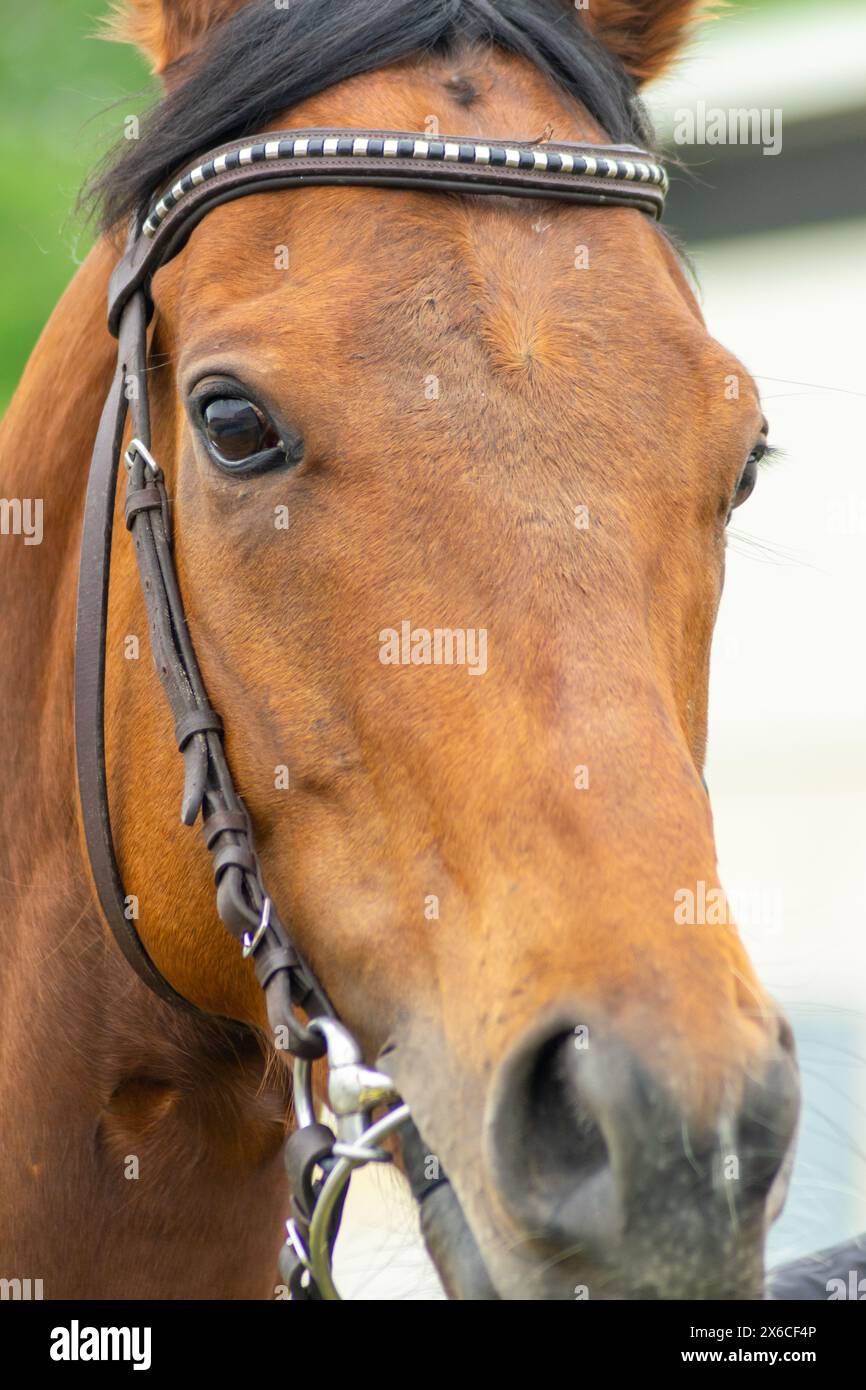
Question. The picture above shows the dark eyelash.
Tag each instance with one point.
(771, 454)
(216, 390)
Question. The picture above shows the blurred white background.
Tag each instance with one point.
(787, 767)
(787, 764)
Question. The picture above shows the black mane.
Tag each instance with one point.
(266, 59)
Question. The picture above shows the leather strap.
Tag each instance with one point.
(307, 1150)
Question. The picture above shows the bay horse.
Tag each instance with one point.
(479, 415)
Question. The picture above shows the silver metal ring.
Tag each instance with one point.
(320, 1255)
(360, 1153)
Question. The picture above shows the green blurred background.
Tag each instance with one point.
(63, 97)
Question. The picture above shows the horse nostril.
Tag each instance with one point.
(563, 1136)
(547, 1150)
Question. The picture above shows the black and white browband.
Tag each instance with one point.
(621, 163)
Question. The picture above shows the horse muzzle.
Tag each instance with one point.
(615, 1188)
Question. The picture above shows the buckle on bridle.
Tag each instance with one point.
(136, 449)
(251, 942)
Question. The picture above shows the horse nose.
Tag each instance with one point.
(589, 1149)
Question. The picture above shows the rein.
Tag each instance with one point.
(604, 175)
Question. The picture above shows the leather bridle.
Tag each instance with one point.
(604, 175)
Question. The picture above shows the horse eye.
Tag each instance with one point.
(748, 477)
(239, 435)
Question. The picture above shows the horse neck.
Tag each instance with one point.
(50, 934)
(45, 446)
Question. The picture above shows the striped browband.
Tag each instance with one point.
(622, 164)
(607, 175)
